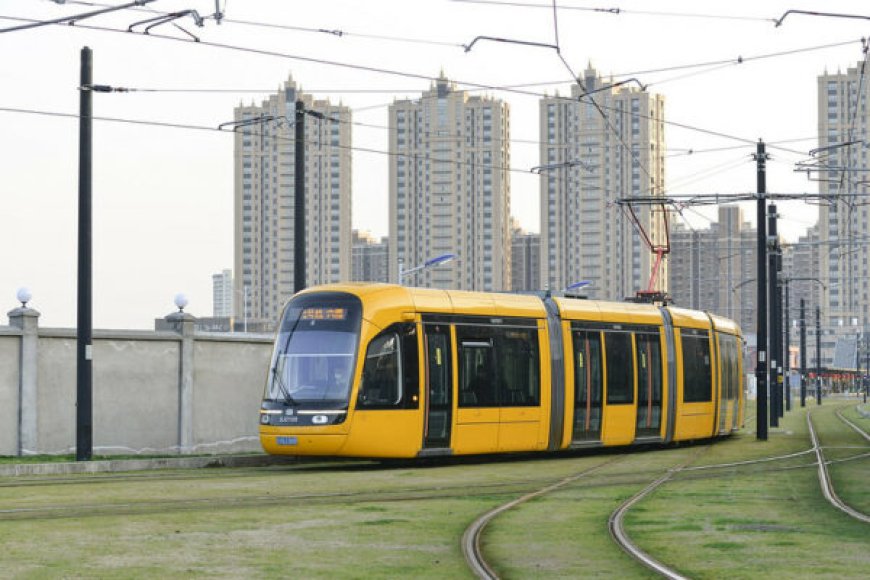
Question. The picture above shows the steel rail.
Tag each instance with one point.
(825, 478)
(617, 530)
(857, 429)
(470, 542)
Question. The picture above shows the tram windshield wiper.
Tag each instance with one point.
(280, 381)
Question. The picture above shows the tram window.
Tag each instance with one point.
(587, 368)
(498, 367)
(730, 371)
(390, 373)
(649, 369)
(620, 368)
(697, 384)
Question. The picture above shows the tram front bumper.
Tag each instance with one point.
(278, 443)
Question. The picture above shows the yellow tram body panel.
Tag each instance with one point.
(552, 421)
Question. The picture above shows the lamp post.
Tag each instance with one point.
(430, 263)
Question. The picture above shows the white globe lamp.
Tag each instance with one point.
(180, 301)
(24, 295)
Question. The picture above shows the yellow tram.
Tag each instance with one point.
(378, 370)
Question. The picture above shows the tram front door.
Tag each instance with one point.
(587, 385)
(439, 379)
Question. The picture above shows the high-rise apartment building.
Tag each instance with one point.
(449, 188)
(369, 258)
(801, 267)
(222, 294)
(591, 156)
(714, 269)
(844, 226)
(525, 260)
(265, 199)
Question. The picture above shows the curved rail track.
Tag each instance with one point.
(617, 531)
(857, 429)
(471, 536)
(619, 535)
(825, 476)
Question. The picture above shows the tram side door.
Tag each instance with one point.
(587, 385)
(649, 384)
(439, 383)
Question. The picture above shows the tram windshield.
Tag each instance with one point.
(315, 349)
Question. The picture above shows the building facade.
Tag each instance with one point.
(265, 199)
(801, 268)
(844, 227)
(525, 260)
(222, 294)
(370, 258)
(714, 269)
(449, 189)
(600, 145)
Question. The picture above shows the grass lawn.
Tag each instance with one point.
(364, 520)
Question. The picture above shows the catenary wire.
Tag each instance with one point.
(617, 11)
(392, 72)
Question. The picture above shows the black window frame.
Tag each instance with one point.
(489, 380)
(408, 372)
(697, 386)
(619, 364)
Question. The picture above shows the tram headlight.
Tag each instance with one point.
(320, 419)
(264, 419)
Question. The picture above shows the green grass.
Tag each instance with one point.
(71, 458)
(361, 520)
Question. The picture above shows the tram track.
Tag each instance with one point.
(855, 427)
(616, 527)
(825, 481)
(470, 542)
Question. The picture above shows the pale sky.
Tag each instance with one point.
(163, 197)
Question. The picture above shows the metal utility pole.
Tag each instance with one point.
(773, 289)
(786, 354)
(818, 356)
(803, 354)
(864, 382)
(84, 322)
(858, 362)
(299, 202)
(761, 325)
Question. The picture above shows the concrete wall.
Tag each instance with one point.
(153, 392)
(10, 350)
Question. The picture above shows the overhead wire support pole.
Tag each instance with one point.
(803, 353)
(299, 235)
(818, 355)
(84, 323)
(773, 336)
(786, 351)
(761, 277)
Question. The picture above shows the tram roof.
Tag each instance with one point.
(603, 311)
(381, 296)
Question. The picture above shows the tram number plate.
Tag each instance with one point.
(287, 441)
